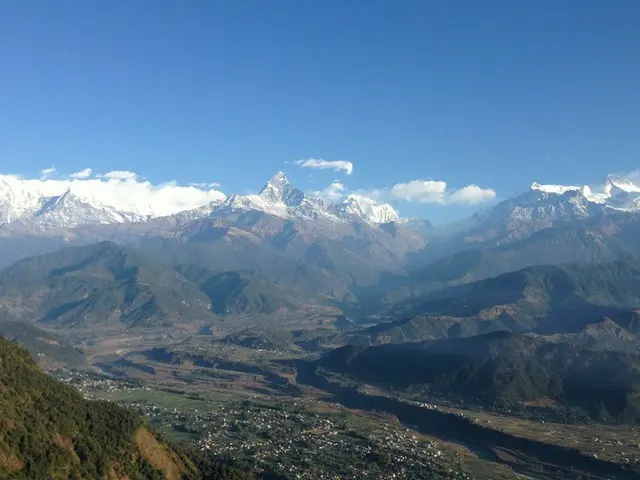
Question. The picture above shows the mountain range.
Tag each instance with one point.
(548, 277)
(355, 252)
(280, 233)
(593, 304)
(109, 285)
(40, 206)
(25, 206)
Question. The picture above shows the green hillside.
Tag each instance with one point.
(546, 299)
(235, 292)
(586, 243)
(99, 284)
(502, 369)
(49, 432)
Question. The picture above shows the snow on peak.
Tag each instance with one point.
(619, 192)
(108, 198)
(621, 183)
(280, 198)
(276, 184)
(121, 197)
(280, 190)
(69, 210)
(366, 209)
(279, 178)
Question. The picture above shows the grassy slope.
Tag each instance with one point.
(48, 431)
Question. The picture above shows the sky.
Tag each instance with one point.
(440, 107)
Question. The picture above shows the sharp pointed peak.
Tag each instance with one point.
(279, 178)
(277, 181)
(279, 189)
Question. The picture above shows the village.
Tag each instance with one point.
(300, 439)
(288, 438)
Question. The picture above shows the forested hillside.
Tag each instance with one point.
(48, 431)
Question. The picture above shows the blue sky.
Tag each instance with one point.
(495, 93)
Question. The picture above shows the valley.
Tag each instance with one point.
(286, 338)
(255, 398)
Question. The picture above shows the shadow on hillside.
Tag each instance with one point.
(529, 456)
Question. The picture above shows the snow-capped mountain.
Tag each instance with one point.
(616, 192)
(280, 190)
(31, 209)
(282, 199)
(539, 205)
(278, 197)
(69, 210)
(17, 200)
(542, 207)
(363, 208)
(545, 204)
(27, 205)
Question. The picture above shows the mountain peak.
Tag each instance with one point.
(366, 209)
(621, 183)
(618, 192)
(278, 180)
(279, 190)
(279, 176)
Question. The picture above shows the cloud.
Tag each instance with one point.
(205, 185)
(47, 172)
(435, 192)
(333, 193)
(471, 195)
(120, 175)
(379, 195)
(423, 191)
(124, 191)
(320, 164)
(438, 192)
(86, 173)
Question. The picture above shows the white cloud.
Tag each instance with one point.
(85, 173)
(120, 175)
(471, 195)
(380, 195)
(205, 185)
(47, 172)
(423, 191)
(438, 192)
(434, 192)
(335, 165)
(124, 191)
(333, 193)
